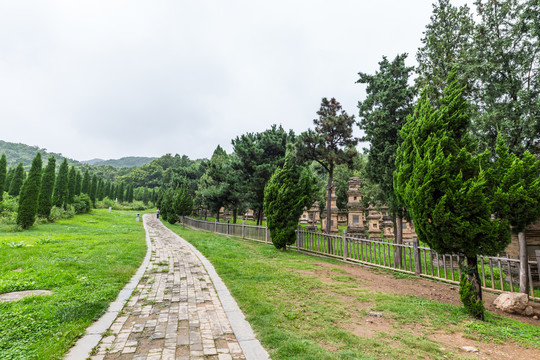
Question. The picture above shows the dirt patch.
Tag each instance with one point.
(18, 295)
(455, 342)
(437, 291)
(367, 326)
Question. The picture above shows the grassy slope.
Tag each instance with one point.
(299, 317)
(85, 261)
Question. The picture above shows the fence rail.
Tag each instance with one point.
(497, 273)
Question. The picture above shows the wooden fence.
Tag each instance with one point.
(497, 273)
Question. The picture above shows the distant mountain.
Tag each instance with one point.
(128, 161)
(16, 153)
(92, 162)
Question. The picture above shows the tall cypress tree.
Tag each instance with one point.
(78, 183)
(100, 190)
(288, 191)
(9, 177)
(85, 188)
(61, 185)
(72, 178)
(120, 192)
(47, 188)
(28, 199)
(3, 175)
(106, 189)
(93, 188)
(130, 189)
(17, 180)
(145, 196)
(112, 191)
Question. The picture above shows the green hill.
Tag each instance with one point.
(128, 161)
(17, 153)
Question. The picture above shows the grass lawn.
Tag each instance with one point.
(85, 261)
(298, 316)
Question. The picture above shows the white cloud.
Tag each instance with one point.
(118, 78)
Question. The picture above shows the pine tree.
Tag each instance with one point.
(507, 74)
(17, 180)
(332, 143)
(445, 187)
(61, 185)
(447, 44)
(3, 175)
(85, 187)
(28, 199)
(47, 188)
(288, 191)
(388, 102)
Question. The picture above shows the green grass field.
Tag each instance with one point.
(85, 261)
(298, 316)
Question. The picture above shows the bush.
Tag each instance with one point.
(135, 205)
(82, 204)
(8, 210)
(468, 297)
(59, 213)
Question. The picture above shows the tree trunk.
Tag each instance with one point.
(398, 238)
(329, 208)
(474, 278)
(234, 215)
(523, 264)
(217, 216)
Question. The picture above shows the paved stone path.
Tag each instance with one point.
(175, 312)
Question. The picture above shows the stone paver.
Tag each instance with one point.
(174, 313)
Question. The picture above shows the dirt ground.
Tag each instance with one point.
(385, 282)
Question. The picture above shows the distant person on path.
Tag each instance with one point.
(158, 213)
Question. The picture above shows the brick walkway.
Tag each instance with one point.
(174, 313)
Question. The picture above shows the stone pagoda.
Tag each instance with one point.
(356, 210)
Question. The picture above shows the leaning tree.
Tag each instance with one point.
(446, 189)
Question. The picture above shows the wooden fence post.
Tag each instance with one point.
(416, 252)
(215, 226)
(243, 229)
(345, 246)
(298, 236)
(227, 227)
(266, 235)
(537, 252)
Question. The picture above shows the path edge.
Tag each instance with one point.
(251, 346)
(84, 346)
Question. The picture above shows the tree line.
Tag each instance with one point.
(67, 189)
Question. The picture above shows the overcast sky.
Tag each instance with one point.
(107, 79)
